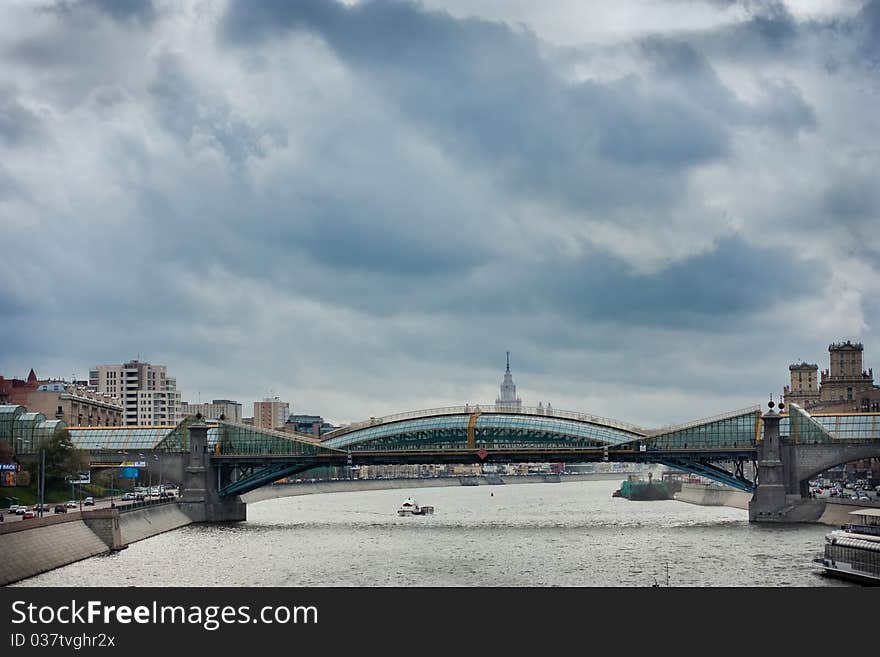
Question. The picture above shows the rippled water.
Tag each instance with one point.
(565, 534)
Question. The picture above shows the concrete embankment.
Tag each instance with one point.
(823, 511)
(143, 523)
(314, 488)
(31, 547)
(709, 495)
(837, 513)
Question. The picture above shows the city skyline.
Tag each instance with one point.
(359, 207)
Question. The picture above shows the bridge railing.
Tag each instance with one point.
(708, 420)
(487, 408)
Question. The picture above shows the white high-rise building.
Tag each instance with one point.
(148, 395)
(508, 398)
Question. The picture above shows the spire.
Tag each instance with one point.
(508, 396)
(32, 377)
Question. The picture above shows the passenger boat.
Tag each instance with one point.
(411, 508)
(853, 551)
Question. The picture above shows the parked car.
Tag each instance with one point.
(89, 501)
(28, 514)
(60, 508)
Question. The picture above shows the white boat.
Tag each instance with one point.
(853, 552)
(411, 508)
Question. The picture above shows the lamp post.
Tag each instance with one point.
(42, 478)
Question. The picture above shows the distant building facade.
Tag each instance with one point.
(230, 410)
(271, 413)
(313, 424)
(844, 387)
(148, 395)
(508, 398)
(75, 404)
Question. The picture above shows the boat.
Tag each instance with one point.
(853, 551)
(411, 508)
(639, 489)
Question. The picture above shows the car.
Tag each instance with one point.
(28, 514)
(13, 508)
(89, 501)
(71, 504)
(139, 497)
(37, 507)
(20, 511)
(128, 497)
(60, 508)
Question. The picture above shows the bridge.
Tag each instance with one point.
(773, 455)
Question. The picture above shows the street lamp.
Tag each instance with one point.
(42, 478)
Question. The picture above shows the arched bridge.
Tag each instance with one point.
(716, 447)
(222, 460)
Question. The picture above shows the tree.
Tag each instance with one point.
(63, 460)
(6, 452)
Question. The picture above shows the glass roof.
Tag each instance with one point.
(163, 438)
(735, 430)
(544, 426)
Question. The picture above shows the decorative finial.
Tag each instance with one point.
(508, 361)
(770, 403)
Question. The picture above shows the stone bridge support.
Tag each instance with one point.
(769, 498)
(200, 500)
(784, 471)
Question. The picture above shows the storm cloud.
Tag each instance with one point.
(361, 206)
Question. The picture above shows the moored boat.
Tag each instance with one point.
(853, 551)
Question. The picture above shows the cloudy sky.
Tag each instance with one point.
(656, 206)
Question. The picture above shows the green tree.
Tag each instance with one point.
(63, 460)
(6, 452)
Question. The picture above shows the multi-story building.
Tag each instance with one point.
(845, 386)
(148, 395)
(508, 398)
(62, 400)
(225, 409)
(271, 413)
(804, 389)
(313, 424)
(76, 405)
(15, 391)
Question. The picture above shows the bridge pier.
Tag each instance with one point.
(200, 500)
(769, 499)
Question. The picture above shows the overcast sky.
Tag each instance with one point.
(360, 206)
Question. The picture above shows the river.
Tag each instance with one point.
(547, 534)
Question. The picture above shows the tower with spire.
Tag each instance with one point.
(508, 398)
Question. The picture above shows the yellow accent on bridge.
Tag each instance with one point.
(472, 426)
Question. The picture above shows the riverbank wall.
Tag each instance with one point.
(711, 495)
(831, 511)
(31, 547)
(313, 488)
